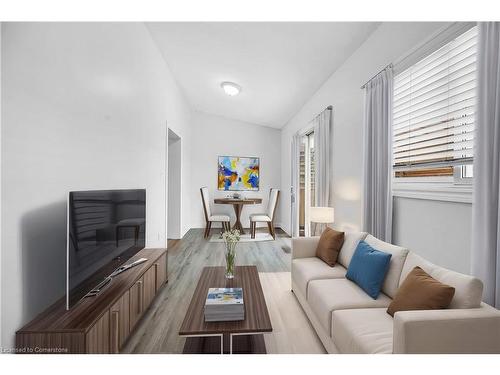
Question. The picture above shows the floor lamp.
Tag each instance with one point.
(321, 215)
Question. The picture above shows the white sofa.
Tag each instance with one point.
(347, 320)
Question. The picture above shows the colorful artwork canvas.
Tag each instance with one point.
(238, 173)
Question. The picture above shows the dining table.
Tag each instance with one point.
(238, 204)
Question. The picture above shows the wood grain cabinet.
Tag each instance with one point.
(161, 271)
(149, 286)
(136, 305)
(100, 324)
(119, 328)
(97, 338)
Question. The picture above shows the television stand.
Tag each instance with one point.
(101, 324)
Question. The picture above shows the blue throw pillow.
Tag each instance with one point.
(368, 268)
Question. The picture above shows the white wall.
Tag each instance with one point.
(342, 90)
(84, 106)
(388, 43)
(215, 136)
(439, 231)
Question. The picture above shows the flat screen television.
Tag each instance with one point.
(105, 229)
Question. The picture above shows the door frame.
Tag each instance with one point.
(173, 186)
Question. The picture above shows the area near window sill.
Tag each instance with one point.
(446, 192)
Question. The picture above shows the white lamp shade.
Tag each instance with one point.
(323, 215)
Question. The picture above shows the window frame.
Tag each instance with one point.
(453, 188)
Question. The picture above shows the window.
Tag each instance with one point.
(433, 115)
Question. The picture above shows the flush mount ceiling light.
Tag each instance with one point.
(230, 88)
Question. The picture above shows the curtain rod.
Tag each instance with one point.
(367, 82)
(308, 129)
(329, 108)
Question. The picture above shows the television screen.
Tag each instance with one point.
(105, 229)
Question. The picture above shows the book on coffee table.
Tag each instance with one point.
(224, 304)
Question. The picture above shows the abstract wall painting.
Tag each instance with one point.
(238, 173)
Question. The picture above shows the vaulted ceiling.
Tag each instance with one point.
(278, 65)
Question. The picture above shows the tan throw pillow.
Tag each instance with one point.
(329, 246)
(420, 291)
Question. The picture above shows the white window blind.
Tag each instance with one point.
(433, 115)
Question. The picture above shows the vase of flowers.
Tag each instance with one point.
(231, 239)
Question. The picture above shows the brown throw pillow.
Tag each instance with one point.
(329, 246)
(420, 291)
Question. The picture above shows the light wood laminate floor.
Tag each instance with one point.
(158, 330)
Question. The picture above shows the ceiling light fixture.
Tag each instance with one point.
(230, 88)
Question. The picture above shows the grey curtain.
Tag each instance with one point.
(485, 208)
(322, 159)
(295, 188)
(377, 168)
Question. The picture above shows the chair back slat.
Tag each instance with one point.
(205, 198)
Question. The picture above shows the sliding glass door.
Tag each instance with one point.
(306, 182)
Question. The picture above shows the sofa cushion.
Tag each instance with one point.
(368, 268)
(420, 291)
(324, 296)
(468, 289)
(307, 269)
(362, 331)
(329, 246)
(351, 240)
(398, 258)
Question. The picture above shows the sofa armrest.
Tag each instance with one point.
(447, 331)
(304, 247)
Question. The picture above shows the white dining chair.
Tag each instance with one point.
(212, 217)
(268, 216)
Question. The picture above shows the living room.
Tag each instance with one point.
(335, 181)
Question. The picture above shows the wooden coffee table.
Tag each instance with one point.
(244, 336)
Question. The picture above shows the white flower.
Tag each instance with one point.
(231, 236)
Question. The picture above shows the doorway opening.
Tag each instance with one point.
(174, 162)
